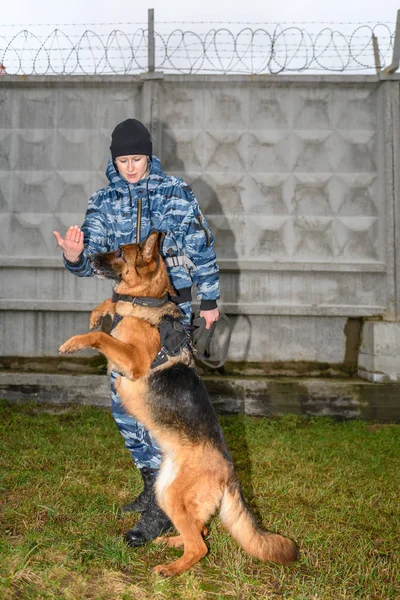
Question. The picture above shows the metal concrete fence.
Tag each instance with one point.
(236, 48)
(297, 176)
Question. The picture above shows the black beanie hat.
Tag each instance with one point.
(130, 137)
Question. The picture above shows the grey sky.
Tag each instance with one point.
(124, 11)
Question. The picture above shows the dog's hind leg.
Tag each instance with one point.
(184, 506)
(176, 541)
(194, 546)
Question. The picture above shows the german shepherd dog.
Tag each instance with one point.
(197, 475)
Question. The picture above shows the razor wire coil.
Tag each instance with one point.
(249, 50)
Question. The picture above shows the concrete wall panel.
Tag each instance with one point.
(292, 175)
(38, 333)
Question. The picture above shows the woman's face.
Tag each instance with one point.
(132, 167)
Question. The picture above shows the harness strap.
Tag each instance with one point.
(117, 319)
(141, 300)
(174, 338)
(181, 260)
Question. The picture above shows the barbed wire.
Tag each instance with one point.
(109, 24)
(249, 50)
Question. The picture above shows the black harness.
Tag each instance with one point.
(141, 300)
(174, 337)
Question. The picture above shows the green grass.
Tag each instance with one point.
(332, 487)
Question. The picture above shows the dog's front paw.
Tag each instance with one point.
(96, 318)
(72, 345)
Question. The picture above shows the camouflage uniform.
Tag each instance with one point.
(125, 213)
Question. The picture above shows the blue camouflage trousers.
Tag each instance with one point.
(139, 441)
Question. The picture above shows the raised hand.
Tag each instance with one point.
(72, 244)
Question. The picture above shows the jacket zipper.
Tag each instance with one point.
(139, 215)
(139, 220)
(200, 220)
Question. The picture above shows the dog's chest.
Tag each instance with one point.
(132, 329)
(166, 476)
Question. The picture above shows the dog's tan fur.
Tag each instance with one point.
(197, 476)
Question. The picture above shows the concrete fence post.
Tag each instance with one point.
(392, 68)
(379, 356)
(151, 91)
(151, 41)
(377, 59)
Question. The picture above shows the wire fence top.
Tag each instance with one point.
(202, 47)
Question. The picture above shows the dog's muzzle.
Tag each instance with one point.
(102, 267)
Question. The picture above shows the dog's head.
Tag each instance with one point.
(137, 268)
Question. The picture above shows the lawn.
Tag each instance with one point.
(333, 487)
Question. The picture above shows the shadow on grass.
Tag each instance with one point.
(234, 428)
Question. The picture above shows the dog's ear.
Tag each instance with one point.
(150, 248)
(161, 236)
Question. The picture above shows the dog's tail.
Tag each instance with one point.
(239, 522)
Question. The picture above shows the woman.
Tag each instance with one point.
(140, 198)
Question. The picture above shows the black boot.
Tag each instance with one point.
(153, 523)
(141, 502)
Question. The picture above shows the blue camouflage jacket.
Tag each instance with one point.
(124, 213)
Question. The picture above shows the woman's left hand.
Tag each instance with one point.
(210, 316)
